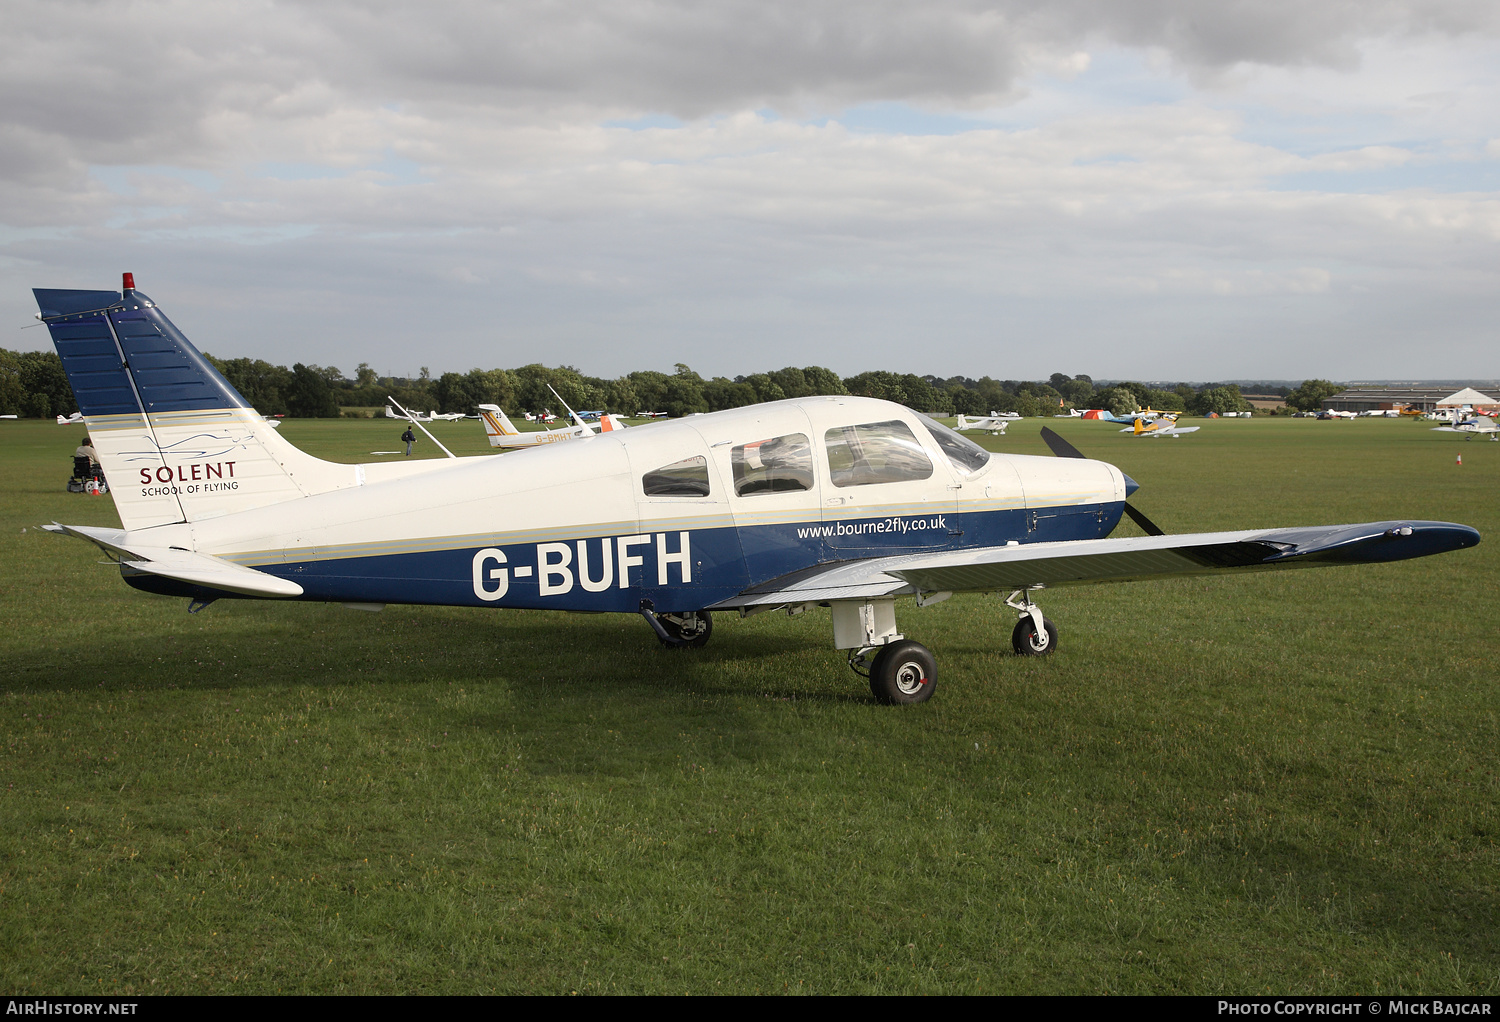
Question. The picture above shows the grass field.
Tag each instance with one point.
(1262, 784)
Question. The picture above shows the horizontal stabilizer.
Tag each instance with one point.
(182, 565)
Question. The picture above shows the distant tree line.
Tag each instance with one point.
(32, 384)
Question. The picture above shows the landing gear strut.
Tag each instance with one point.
(689, 628)
(1034, 635)
(900, 671)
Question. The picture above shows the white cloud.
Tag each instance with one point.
(322, 150)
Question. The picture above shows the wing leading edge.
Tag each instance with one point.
(1087, 562)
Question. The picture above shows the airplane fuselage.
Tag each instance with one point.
(594, 526)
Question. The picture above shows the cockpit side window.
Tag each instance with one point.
(963, 454)
(773, 466)
(685, 478)
(875, 452)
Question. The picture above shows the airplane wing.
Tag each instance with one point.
(1091, 561)
(576, 417)
(182, 565)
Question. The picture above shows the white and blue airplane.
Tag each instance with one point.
(1481, 426)
(847, 503)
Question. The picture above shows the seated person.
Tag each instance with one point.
(86, 450)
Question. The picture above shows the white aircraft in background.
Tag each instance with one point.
(433, 416)
(1481, 426)
(76, 419)
(498, 427)
(1158, 427)
(839, 502)
(995, 424)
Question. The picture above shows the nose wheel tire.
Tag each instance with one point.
(1026, 642)
(903, 672)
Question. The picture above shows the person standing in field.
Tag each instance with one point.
(410, 439)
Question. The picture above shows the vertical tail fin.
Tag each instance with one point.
(496, 424)
(177, 442)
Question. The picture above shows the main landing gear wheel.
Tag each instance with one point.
(903, 672)
(690, 629)
(1025, 641)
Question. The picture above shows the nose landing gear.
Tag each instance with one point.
(1034, 635)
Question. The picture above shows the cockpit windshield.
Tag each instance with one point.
(963, 454)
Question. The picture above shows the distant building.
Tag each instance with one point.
(1367, 399)
(1470, 398)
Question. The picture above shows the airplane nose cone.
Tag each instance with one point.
(1130, 486)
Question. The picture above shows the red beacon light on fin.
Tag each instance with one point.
(129, 282)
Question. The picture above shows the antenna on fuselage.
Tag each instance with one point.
(413, 420)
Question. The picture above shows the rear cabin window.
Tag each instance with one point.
(777, 465)
(875, 452)
(686, 478)
(963, 454)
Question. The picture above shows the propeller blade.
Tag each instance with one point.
(1059, 446)
(1063, 449)
(1149, 527)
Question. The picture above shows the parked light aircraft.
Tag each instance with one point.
(1158, 427)
(432, 416)
(995, 424)
(75, 419)
(498, 427)
(1103, 415)
(1481, 426)
(844, 502)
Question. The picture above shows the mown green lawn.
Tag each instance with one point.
(1273, 783)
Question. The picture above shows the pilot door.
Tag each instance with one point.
(774, 494)
(887, 493)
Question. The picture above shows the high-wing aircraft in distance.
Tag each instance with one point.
(433, 416)
(75, 419)
(995, 424)
(845, 502)
(1158, 427)
(498, 427)
(1481, 426)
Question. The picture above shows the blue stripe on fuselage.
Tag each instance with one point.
(720, 563)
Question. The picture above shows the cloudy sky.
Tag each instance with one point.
(1159, 189)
